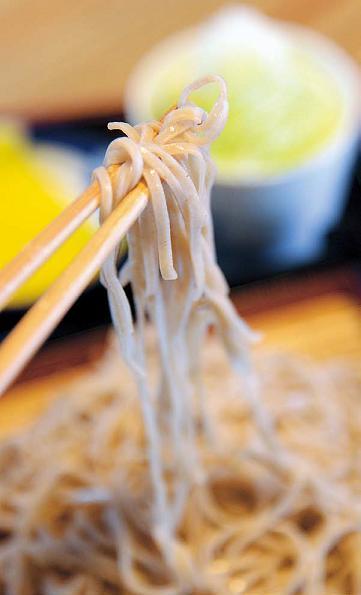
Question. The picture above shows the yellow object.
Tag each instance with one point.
(30, 197)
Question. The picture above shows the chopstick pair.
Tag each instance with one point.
(37, 324)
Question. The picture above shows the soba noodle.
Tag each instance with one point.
(171, 476)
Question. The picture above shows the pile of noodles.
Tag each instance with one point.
(184, 470)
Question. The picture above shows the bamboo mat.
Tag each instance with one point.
(324, 327)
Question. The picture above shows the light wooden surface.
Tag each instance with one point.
(59, 59)
(321, 328)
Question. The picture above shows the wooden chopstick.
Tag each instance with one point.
(38, 250)
(47, 241)
(42, 318)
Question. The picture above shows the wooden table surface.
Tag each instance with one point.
(320, 325)
(70, 58)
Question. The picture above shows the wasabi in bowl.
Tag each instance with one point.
(286, 155)
(284, 103)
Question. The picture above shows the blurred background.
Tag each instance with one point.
(287, 202)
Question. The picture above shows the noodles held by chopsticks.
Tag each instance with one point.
(172, 476)
(175, 280)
